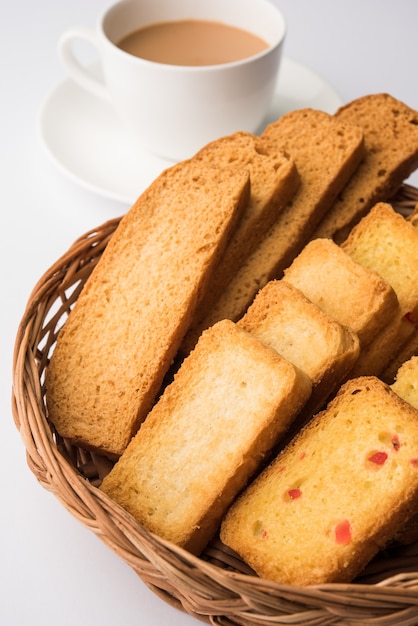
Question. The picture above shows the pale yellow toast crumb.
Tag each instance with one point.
(229, 403)
(336, 495)
(122, 335)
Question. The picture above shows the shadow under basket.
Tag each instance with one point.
(217, 587)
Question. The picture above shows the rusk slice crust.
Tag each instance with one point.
(274, 181)
(391, 140)
(229, 402)
(387, 243)
(120, 339)
(326, 152)
(356, 296)
(336, 495)
(285, 320)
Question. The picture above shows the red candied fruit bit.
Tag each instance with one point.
(294, 494)
(378, 458)
(343, 532)
(414, 462)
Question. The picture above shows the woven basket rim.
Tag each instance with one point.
(213, 588)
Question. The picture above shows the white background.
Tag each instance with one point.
(53, 570)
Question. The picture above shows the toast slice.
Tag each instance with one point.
(406, 387)
(121, 337)
(285, 320)
(354, 295)
(387, 243)
(410, 347)
(391, 140)
(274, 181)
(408, 350)
(336, 495)
(326, 152)
(229, 402)
(406, 381)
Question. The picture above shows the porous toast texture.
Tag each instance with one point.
(354, 295)
(326, 153)
(122, 335)
(228, 404)
(405, 386)
(285, 320)
(274, 180)
(410, 347)
(387, 243)
(336, 495)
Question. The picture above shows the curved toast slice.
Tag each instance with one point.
(336, 495)
(274, 182)
(387, 243)
(326, 152)
(356, 296)
(284, 319)
(228, 404)
(120, 339)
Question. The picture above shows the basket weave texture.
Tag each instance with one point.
(216, 588)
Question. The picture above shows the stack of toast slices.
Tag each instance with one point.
(245, 350)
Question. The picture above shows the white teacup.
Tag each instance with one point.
(174, 110)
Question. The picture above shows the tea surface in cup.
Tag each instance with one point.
(192, 43)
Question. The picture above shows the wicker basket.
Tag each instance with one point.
(216, 588)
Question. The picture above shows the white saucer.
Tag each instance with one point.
(85, 139)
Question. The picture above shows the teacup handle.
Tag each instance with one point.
(77, 71)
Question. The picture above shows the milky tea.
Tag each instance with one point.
(192, 43)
